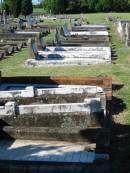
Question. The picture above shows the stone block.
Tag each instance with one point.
(10, 108)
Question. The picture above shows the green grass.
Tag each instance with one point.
(38, 10)
(14, 66)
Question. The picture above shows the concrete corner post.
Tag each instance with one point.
(10, 108)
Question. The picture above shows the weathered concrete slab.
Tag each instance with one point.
(13, 91)
(66, 62)
(78, 48)
(90, 33)
(57, 55)
(16, 46)
(51, 58)
(49, 81)
(89, 105)
(78, 135)
(25, 150)
(82, 120)
(89, 40)
(20, 36)
(90, 27)
(66, 32)
(8, 49)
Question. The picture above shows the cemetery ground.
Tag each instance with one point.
(120, 72)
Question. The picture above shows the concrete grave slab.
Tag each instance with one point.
(27, 150)
(90, 27)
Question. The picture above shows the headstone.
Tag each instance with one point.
(65, 29)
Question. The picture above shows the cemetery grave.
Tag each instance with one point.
(13, 42)
(56, 121)
(88, 40)
(87, 50)
(89, 27)
(81, 34)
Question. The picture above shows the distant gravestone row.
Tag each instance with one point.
(13, 36)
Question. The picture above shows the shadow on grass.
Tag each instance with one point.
(119, 136)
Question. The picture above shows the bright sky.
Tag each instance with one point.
(35, 1)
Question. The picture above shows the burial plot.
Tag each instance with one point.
(13, 42)
(63, 115)
(80, 34)
(60, 39)
(61, 56)
(90, 27)
(17, 46)
(8, 49)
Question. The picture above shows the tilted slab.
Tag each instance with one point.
(8, 49)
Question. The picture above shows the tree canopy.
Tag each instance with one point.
(17, 7)
(76, 6)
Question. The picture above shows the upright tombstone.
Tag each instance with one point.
(121, 28)
(4, 17)
(127, 34)
(30, 22)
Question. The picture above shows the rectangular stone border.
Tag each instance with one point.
(103, 82)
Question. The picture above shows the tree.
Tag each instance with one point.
(8, 6)
(76, 6)
(103, 5)
(84, 6)
(16, 9)
(26, 7)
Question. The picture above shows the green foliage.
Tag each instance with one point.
(16, 9)
(78, 6)
(26, 7)
(8, 5)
